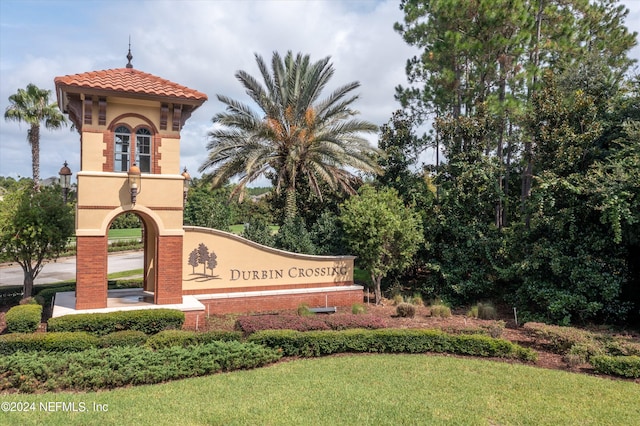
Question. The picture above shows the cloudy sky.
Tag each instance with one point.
(199, 44)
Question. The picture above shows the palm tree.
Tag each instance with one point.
(32, 107)
(295, 134)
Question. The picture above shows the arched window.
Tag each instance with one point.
(143, 150)
(122, 149)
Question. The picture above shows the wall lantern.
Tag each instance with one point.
(185, 184)
(65, 180)
(134, 182)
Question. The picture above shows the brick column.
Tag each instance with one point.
(91, 272)
(169, 263)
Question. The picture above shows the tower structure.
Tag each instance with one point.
(129, 123)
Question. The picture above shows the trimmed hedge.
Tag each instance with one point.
(255, 323)
(10, 295)
(123, 338)
(47, 294)
(108, 368)
(23, 318)
(148, 321)
(48, 342)
(625, 366)
(318, 343)
(184, 338)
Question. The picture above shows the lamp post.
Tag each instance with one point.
(65, 180)
(134, 182)
(185, 185)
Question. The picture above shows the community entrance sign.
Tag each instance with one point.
(129, 124)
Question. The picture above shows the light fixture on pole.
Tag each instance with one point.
(185, 184)
(134, 182)
(65, 180)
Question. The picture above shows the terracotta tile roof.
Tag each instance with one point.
(132, 81)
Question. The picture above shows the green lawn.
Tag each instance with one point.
(356, 390)
(125, 234)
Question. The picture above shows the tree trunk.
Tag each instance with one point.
(527, 175)
(290, 203)
(34, 141)
(377, 280)
(27, 284)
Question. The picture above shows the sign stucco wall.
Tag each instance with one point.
(215, 261)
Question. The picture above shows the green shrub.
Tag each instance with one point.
(487, 311)
(29, 301)
(358, 308)
(47, 294)
(397, 299)
(48, 342)
(416, 299)
(123, 338)
(304, 311)
(318, 343)
(406, 310)
(473, 312)
(442, 311)
(560, 338)
(10, 295)
(219, 335)
(106, 368)
(184, 338)
(495, 329)
(624, 366)
(23, 318)
(149, 321)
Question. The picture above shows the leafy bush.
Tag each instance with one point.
(252, 324)
(123, 338)
(293, 236)
(473, 312)
(495, 329)
(23, 318)
(49, 342)
(48, 294)
(561, 339)
(107, 368)
(257, 230)
(346, 321)
(625, 366)
(304, 311)
(397, 299)
(148, 321)
(10, 295)
(487, 311)
(442, 311)
(184, 338)
(416, 299)
(318, 343)
(406, 310)
(358, 308)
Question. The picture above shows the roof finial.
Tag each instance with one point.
(129, 55)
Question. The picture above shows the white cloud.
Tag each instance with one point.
(199, 44)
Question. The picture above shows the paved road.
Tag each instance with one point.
(65, 269)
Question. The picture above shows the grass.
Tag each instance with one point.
(374, 389)
(125, 234)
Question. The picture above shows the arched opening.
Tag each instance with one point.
(138, 231)
(126, 247)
